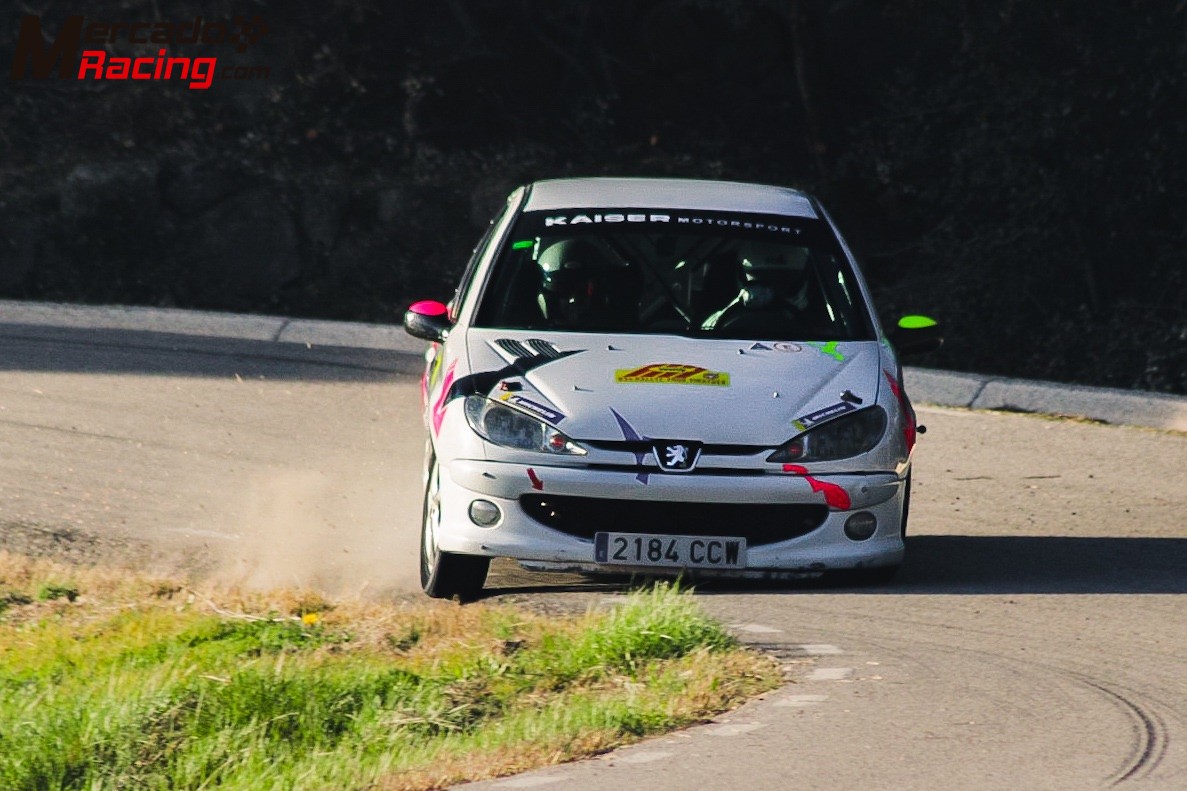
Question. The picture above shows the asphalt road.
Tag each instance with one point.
(1035, 639)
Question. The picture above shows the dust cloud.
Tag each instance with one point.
(343, 534)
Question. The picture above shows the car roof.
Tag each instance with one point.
(658, 193)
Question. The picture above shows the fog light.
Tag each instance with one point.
(484, 513)
(861, 526)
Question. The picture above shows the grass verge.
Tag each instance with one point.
(111, 681)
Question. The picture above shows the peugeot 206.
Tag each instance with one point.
(664, 376)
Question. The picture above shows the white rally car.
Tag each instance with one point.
(663, 376)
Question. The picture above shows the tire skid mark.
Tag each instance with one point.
(1151, 737)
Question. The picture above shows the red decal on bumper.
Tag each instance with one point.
(836, 497)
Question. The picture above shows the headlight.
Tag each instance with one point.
(502, 425)
(837, 439)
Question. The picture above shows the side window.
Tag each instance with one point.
(472, 265)
(841, 298)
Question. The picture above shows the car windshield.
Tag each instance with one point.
(690, 273)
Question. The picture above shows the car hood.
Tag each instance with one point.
(610, 387)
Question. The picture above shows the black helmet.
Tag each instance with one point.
(584, 285)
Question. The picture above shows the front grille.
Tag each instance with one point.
(757, 523)
(699, 471)
(647, 445)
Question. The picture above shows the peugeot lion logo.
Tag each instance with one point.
(677, 456)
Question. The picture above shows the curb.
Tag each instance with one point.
(926, 385)
(174, 321)
(975, 391)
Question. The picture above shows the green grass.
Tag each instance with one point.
(134, 689)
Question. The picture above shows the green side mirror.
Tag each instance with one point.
(916, 335)
(916, 322)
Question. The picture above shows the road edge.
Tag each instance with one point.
(926, 385)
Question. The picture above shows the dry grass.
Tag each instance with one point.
(479, 691)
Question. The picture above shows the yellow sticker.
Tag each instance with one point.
(672, 373)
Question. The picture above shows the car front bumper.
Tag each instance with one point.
(534, 545)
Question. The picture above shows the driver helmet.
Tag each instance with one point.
(581, 281)
(770, 272)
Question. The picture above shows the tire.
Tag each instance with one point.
(445, 575)
(906, 508)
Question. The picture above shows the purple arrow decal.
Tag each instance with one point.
(629, 433)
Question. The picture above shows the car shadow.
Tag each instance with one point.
(964, 565)
(1043, 564)
(1023, 564)
(105, 351)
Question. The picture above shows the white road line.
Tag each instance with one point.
(927, 409)
(795, 701)
(820, 649)
(830, 674)
(529, 781)
(755, 628)
(641, 757)
(734, 729)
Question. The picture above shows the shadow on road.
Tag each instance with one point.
(1042, 564)
(962, 565)
(55, 349)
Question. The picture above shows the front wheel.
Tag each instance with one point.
(906, 508)
(445, 575)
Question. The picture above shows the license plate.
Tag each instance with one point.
(687, 552)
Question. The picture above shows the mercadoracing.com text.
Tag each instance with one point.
(95, 64)
(39, 54)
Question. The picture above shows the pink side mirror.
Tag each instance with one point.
(428, 320)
